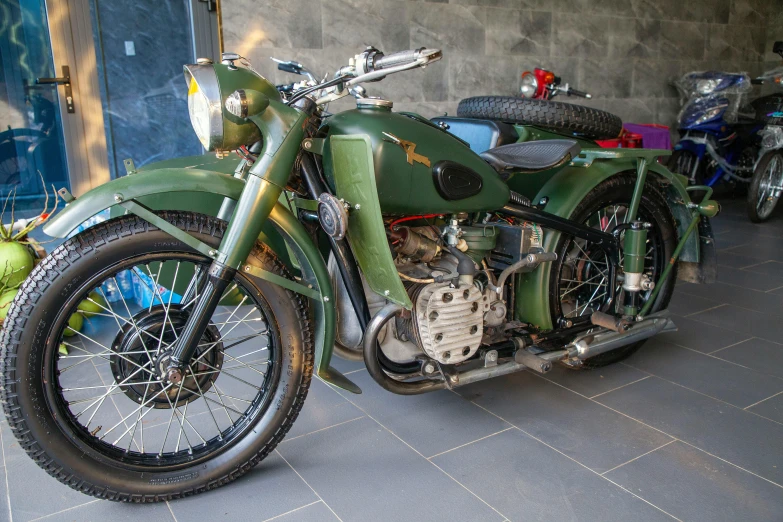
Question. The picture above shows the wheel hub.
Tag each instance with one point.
(141, 357)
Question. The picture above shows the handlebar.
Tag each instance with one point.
(290, 67)
(580, 93)
(569, 91)
(398, 58)
(757, 81)
(370, 65)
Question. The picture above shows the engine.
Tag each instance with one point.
(452, 316)
(447, 323)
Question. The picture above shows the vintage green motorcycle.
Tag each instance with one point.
(377, 230)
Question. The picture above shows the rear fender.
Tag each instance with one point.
(564, 191)
(186, 189)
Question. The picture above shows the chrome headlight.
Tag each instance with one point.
(706, 86)
(209, 88)
(204, 107)
(529, 85)
(772, 137)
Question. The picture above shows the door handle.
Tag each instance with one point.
(65, 79)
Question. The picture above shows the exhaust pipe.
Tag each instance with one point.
(590, 345)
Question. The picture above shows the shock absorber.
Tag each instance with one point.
(634, 250)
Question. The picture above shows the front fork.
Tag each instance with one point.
(265, 182)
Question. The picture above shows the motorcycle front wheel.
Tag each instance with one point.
(85, 347)
(765, 187)
(688, 164)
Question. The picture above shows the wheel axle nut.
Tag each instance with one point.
(174, 376)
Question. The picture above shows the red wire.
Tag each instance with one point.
(411, 218)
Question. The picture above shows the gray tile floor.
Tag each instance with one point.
(689, 428)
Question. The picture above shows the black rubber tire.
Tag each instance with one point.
(56, 279)
(653, 208)
(755, 186)
(564, 117)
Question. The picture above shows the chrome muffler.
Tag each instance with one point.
(592, 344)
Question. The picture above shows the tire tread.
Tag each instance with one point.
(70, 252)
(569, 117)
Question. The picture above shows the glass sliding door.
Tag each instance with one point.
(141, 48)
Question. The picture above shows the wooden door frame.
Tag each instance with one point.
(71, 35)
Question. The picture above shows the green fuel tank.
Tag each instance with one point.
(456, 179)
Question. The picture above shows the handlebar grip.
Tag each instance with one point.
(757, 81)
(580, 93)
(289, 67)
(394, 59)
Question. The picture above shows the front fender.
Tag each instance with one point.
(564, 191)
(185, 182)
(175, 188)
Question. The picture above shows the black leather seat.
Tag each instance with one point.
(531, 156)
(480, 135)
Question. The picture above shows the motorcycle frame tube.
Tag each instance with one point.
(695, 219)
(641, 177)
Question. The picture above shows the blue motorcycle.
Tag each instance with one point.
(718, 138)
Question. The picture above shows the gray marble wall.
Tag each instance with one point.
(625, 52)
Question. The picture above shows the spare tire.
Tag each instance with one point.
(586, 121)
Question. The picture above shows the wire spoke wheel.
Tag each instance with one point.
(89, 399)
(110, 387)
(765, 192)
(584, 276)
(581, 280)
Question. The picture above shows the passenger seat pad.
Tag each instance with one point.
(531, 156)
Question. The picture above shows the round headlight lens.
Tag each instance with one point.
(529, 85)
(706, 86)
(198, 108)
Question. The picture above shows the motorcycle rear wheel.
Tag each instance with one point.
(578, 267)
(767, 178)
(248, 386)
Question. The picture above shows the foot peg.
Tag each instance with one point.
(609, 322)
(532, 361)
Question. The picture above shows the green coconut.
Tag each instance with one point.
(5, 302)
(94, 304)
(75, 323)
(16, 263)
